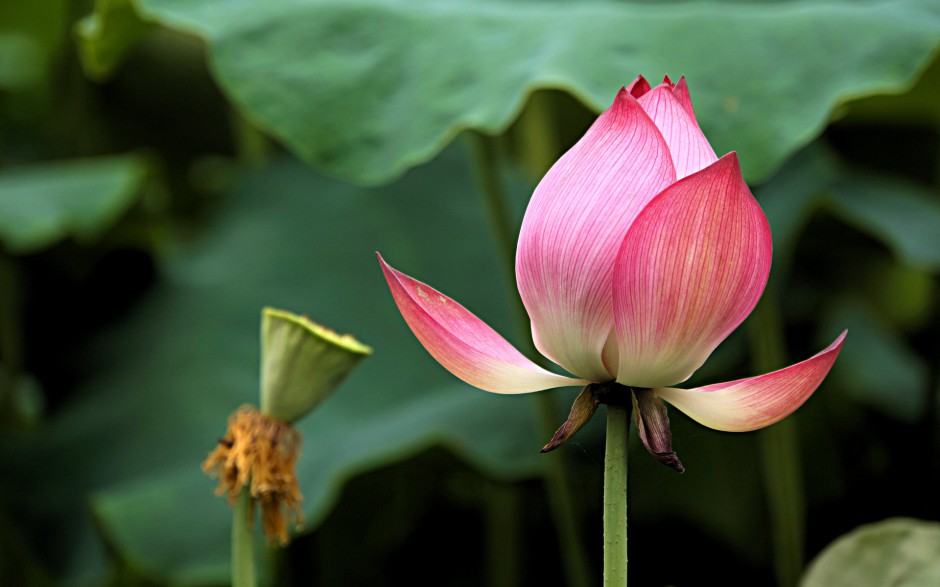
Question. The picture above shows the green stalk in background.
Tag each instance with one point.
(780, 451)
(563, 507)
(251, 145)
(11, 338)
(503, 534)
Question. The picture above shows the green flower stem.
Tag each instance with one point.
(563, 506)
(615, 497)
(243, 556)
(780, 451)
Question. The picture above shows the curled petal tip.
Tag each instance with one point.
(728, 165)
(624, 100)
(681, 91)
(638, 87)
(671, 109)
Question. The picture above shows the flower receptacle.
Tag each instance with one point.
(302, 363)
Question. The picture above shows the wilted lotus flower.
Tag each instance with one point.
(640, 251)
(302, 363)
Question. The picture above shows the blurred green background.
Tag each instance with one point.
(168, 167)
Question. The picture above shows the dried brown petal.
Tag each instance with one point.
(582, 410)
(652, 423)
(260, 453)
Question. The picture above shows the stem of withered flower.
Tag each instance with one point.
(615, 497)
(563, 507)
(780, 452)
(243, 556)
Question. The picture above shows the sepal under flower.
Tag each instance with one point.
(652, 421)
(582, 410)
(652, 425)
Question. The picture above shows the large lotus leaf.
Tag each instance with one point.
(878, 367)
(904, 216)
(900, 552)
(791, 198)
(43, 204)
(917, 106)
(365, 89)
(165, 379)
(900, 214)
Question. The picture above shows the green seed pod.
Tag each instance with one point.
(301, 363)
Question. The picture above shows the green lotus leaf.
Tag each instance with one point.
(43, 204)
(365, 89)
(901, 552)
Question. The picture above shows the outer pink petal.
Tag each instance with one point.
(671, 109)
(573, 227)
(463, 343)
(749, 404)
(691, 268)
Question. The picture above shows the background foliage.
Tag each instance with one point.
(169, 167)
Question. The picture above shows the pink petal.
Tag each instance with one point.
(573, 227)
(463, 343)
(671, 109)
(749, 404)
(690, 270)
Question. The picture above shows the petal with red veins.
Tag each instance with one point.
(756, 402)
(572, 231)
(671, 110)
(691, 268)
(463, 343)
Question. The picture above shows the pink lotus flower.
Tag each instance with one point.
(640, 251)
